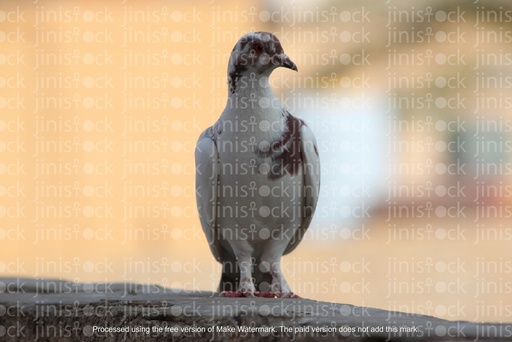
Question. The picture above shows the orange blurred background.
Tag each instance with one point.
(101, 106)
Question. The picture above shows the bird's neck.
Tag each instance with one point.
(252, 93)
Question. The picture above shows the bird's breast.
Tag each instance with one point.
(253, 199)
(271, 143)
(257, 183)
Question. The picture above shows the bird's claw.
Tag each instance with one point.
(291, 295)
(277, 295)
(231, 294)
(236, 294)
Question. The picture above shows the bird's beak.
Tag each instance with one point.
(285, 61)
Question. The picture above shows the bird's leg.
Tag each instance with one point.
(271, 263)
(279, 286)
(247, 287)
(242, 251)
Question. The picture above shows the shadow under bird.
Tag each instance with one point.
(257, 175)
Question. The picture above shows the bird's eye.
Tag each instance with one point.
(258, 48)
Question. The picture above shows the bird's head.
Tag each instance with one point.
(256, 54)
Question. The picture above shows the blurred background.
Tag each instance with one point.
(410, 101)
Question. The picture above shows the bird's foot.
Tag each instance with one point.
(237, 294)
(276, 295)
(290, 295)
(240, 294)
(247, 288)
(231, 294)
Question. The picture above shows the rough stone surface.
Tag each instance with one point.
(55, 310)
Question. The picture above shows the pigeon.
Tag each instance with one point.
(257, 175)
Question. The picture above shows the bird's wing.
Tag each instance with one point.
(311, 184)
(207, 175)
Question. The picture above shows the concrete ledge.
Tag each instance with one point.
(55, 310)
